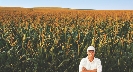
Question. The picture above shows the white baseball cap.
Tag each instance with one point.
(90, 48)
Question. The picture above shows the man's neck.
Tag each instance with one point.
(91, 59)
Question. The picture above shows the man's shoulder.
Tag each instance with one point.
(97, 59)
(83, 59)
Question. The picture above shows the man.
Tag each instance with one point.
(90, 63)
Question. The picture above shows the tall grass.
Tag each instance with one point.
(48, 41)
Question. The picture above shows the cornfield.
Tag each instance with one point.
(55, 40)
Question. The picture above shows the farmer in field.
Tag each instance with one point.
(90, 63)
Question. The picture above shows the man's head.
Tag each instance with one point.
(90, 48)
(91, 52)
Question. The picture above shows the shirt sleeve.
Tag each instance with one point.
(81, 64)
(99, 66)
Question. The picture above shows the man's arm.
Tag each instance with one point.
(99, 66)
(85, 70)
(90, 71)
(81, 65)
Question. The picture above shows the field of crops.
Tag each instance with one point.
(55, 40)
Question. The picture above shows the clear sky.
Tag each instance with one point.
(73, 4)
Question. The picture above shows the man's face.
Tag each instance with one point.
(91, 53)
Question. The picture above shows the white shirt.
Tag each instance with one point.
(95, 64)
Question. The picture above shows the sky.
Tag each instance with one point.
(73, 4)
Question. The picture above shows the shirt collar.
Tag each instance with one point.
(88, 59)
